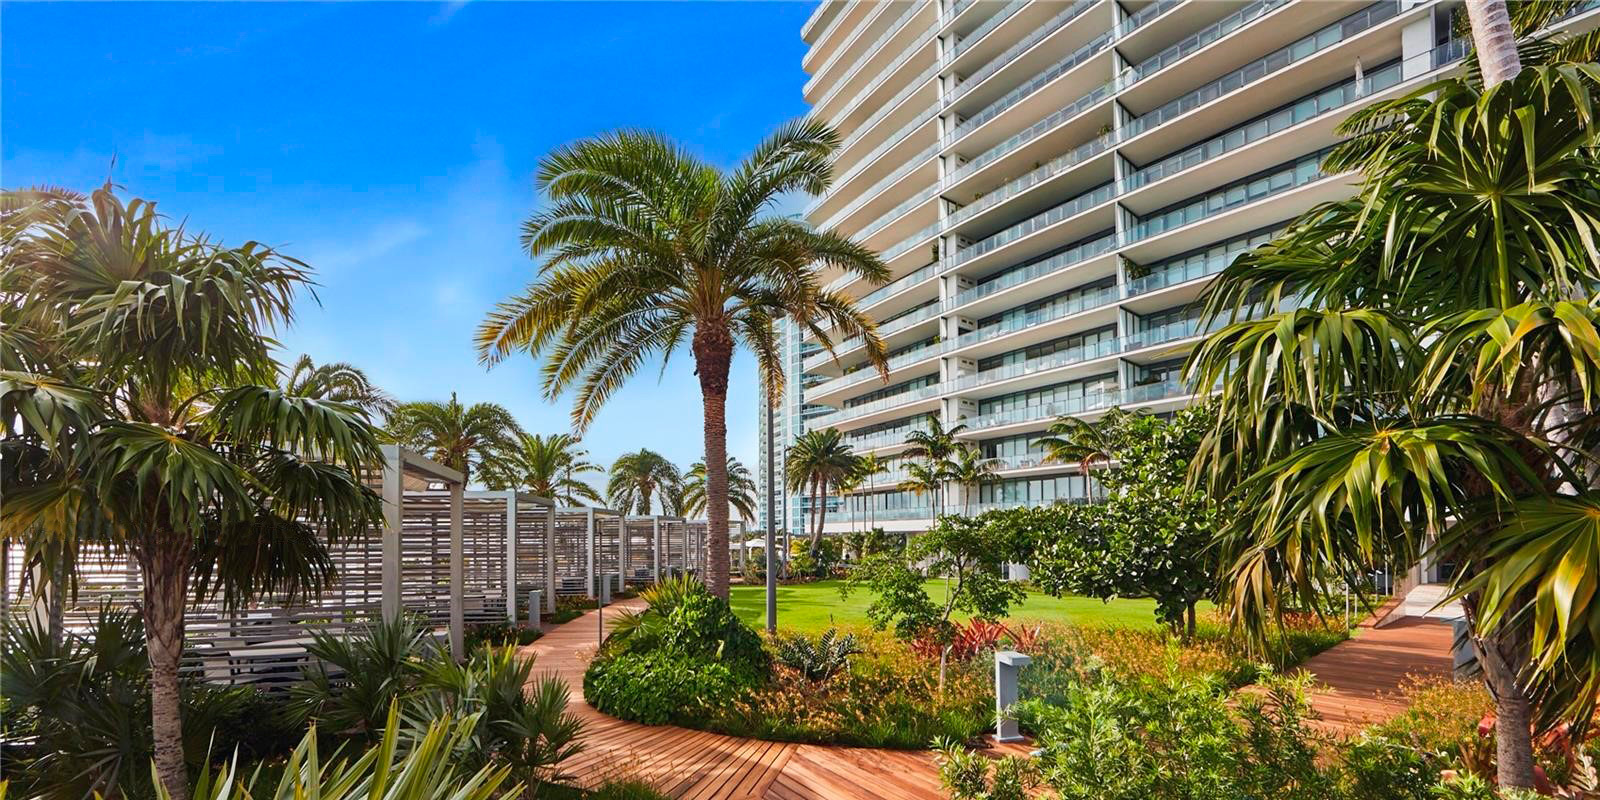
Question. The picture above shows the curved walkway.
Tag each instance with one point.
(698, 765)
(1358, 678)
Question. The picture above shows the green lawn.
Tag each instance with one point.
(814, 607)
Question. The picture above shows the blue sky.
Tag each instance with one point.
(391, 146)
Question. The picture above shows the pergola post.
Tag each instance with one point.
(549, 560)
(511, 559)
(393, 497)
(623, 534)
(458, 600)
(655, 548)
(589, 585)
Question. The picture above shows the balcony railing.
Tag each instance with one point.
(1203, 37)
(872, 191)
(869, 51)
(1077, 205)
(1032, 178)
(1050, 26)
(897, 286)
(891, 326)
(882, 403)
(892, 140)
(1055, 263)
(1079, 405)
(1146, 14)
(1051, 121)
(883, 438)
(1092, 299)
(1034, 84)
(867, 373)
(883, 111)
(988, 25)
(1300, 172)
(1056, 360)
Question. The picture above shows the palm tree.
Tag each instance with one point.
(925, 478)
(934, 444)
(1436, 381)
(547, 466)
(140, 415)
(818, 458)
(337, 381)
(869, 467)
(637, 478)
(463, 438)
(741, 490)
(970, 469)
(848, 483)
(1494, 41)
(648, 248)
(1075, 441)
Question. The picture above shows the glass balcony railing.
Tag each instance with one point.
(1199, 39)
(892, 140)
(1056, 360)
(1176, 330)
(875, 189)
(847, 46)
(894, 213)
(1300, 50)
(1306, 108)
(1051, 121)
(881, 404)
(870, 50)
(905, 55)
(1095, 298)
(1034, 84)
(1183, 272)
(897, 324)
(905, 245)
(1078, 405)
(988, 25)
(1077, 205)
(1055, 263)
(899, 97)
(1050, 26)
(1304, 170)
(1032, 178)
(883, 438)
(1146, 14)
(867, 373)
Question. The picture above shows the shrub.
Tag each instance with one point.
(354, 678)
(687, 652)
(499, 634)
(817, 661)
(970, 776)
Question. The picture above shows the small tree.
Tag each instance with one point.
(962, 549)
(1150, 536)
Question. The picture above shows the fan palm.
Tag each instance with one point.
(463, 438)
(639, 478)
(143, 419)
(337, 381)
(741, 489)
(970, 469)
(818, 459)
(547, 466)
(1438, 378)
(648, 248)
(934, 444)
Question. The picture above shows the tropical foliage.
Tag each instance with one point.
(961, 549)
(336, 381)
(464, 438)
(1434, 382)
(639, 479)
(928, 457)
(546, 466)
(818, 459)
(647, 248)
(141, 416)
(742, 492)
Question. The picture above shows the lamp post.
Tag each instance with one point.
(772, 515)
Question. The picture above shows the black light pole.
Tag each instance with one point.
(772, 528)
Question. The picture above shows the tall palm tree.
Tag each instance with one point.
(847, 484)
(141, 414)
(935, 445)
(638, 478)
(1074, 441)
(648, 248)
(1494, 41)
(869, 467)
(818, 458)
(1438, 377)
(337, 381)
(926, 478)
(547, 466)
(970, 470)
(741, 490)
(463, 438)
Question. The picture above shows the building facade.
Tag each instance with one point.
(1052, 184)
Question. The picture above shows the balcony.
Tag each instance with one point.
(867, 373)
(1029, 87)
(1079, 405)
(1056, 263)
(1068, 210)
(1300, 172)
(1097, 298)
(994, 65)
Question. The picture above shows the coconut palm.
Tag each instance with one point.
(639, 478)
(970, 469)
(924, 478)
(1437, 380)
(547, 466)
(818, 458)
(868, 468)
(463, 438)
(141, 415)
(648, 248)
(741, 490)
(337, 381)
(934, 444)
(1074, 441)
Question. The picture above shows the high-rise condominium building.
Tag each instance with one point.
(1051, 185)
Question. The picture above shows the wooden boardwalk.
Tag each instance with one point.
(1358, 678)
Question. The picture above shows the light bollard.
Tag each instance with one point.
(1007, 665)
(535, 602)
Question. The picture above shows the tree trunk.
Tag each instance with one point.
(1189, 623)
(1499, 658)
(713, 352)
(822, 515)
(165, 566)
(1494, 41)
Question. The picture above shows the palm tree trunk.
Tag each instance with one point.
(165, 567)
(1513, 731)
(713, 352)
(822, 514)
(1494, 41)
